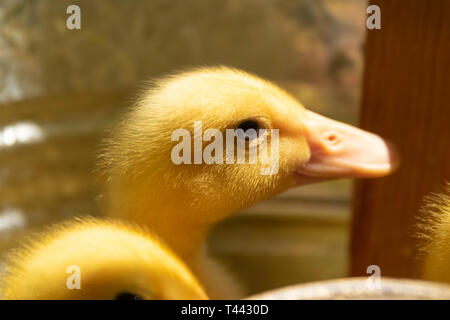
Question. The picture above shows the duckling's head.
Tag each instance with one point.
(156, 177)
(434, 235)
(91, 259)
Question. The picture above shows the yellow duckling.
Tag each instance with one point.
(180, 201)
(94, 259)
(436, 230)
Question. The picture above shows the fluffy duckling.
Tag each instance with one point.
(111, 260)
(182, 202)
(435, 228)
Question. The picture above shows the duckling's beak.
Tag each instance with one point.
(339, 150)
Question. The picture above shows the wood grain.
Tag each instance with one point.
(406, 98)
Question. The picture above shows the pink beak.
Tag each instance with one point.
(339, 150)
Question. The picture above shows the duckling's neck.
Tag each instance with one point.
(170, 216)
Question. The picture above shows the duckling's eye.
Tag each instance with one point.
(249, 129)
(128, 296)
(249, 124)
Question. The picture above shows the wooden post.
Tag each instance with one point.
(406, 98)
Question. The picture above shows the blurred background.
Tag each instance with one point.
(60, 89)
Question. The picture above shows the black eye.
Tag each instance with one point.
(128, 296)
(249, 124)
(250, 129)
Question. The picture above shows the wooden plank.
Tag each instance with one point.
(406, 97)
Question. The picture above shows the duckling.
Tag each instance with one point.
(435, 229)
(181, 202)
(112, 260)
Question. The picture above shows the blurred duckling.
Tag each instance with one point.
(182, 202)
(435, 228)
(93, 259)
